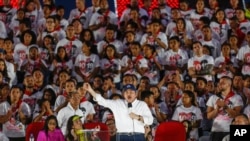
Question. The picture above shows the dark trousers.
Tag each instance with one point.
(127, 137)
(17, 139)
(218, 136)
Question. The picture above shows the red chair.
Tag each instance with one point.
(104, 132)
(170, 131)
(33, 128)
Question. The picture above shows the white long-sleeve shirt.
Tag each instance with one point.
(124, 123)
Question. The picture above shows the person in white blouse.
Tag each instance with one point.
(131, 115)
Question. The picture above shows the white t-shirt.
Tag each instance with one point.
(221, 29)
(200, 64)
(222, 121)
(86, 64)
(115, 65)
(221, 61)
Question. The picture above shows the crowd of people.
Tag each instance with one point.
(151, 65)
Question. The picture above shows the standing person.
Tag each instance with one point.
(51, 130)
(222, 108)
(131, 115)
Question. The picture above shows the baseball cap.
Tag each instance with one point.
(76, 117)
(129, 86)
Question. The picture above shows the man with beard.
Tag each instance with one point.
(131, 115)
(222, 108)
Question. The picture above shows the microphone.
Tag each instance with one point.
(129, 107)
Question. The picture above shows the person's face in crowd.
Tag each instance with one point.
(4, 93)
(52, 124)
(47, 95)
(109, 34)
(85, 49)
(155, 91)
(183, 6)
(70, 31)
(27, 38)
(47, 41)
(46, 10)
(87, 36)
(134, 3)
(161, 2)
(233, 41)
(207, 32)
(130, 37)
(77, 124)
(144, 83)
(225, 50)
(213, 4)
(106, 85)
(70, 87)
(240, 120)
(111, 126)
(197, 49)
(104, 4)
(200, 85)
(135, 50)
(77, 26)
(80, 4)
(29, 82)
(15, 94)
(20, 14)
(95, 3)
(220, 15)
(224, 84)
(180, 25)
(210, 86)
(237, 82)
(8, 46)
(156, 14)
(63, 77)
(127, 80)
(60, 12)
(97, 82)
(156, 27)
(147, 3)
(189, 87)
(200, 6)
(175, 14)
(134, 14)
(33, 53)
(82, 92)
(147, 51)
(130, 28)
(172, 88)
(205, 50)
(247, 82)
(150, 100)
(31, 6)
(61, 52)
(186, 99)
(174, 45)
(48, 2)
(110, 52)
(2, 65)
(38, 76)
(240, 15)
(6, 2)
(75, 99)
(234, 3)
(2, 56)
(129, 95)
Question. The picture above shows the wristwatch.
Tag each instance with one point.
(139, 118)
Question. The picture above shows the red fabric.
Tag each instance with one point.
(170, 131)
(33, 128)
(103, 134)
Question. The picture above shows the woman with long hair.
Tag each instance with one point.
(51, 130)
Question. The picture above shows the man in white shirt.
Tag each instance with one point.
(222, 108)
(131, 115)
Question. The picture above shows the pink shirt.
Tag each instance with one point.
(52, 136)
